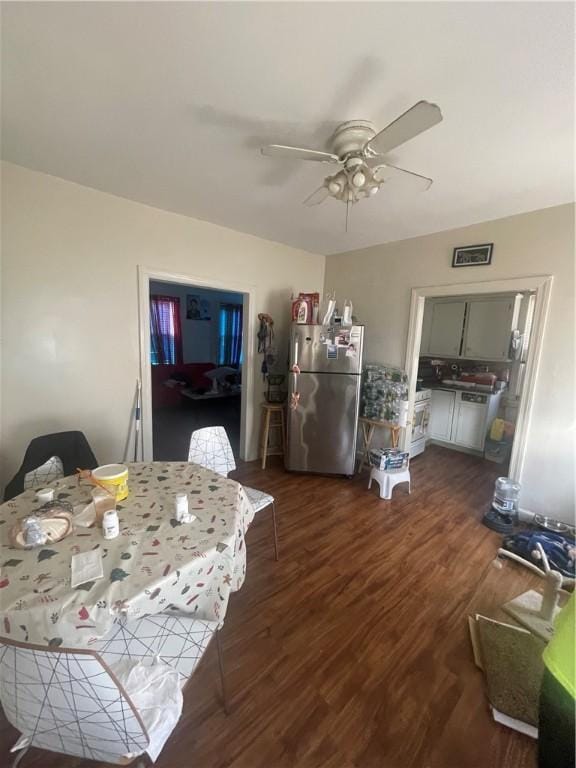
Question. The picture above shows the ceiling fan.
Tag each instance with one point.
(358, 148)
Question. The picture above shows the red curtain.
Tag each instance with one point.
(165, 330)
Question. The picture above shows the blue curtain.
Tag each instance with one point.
(230, 327)
(165, 330)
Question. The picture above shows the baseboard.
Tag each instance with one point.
(457, 448)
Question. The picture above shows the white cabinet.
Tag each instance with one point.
(441, 414)
(471, 328)
(489, 324)
(442, 328)
(469, 425)
(462, 418)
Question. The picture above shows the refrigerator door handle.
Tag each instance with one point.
(295, 368)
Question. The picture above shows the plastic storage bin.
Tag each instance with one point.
(389, 458)
(497, 450)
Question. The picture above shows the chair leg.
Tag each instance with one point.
(221, 668)
(19, 757)
(265, 438)
(275, 530)
(283, 428)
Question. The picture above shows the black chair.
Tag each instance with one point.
(72, 449)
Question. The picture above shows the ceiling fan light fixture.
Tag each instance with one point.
(357, 147)
(334, 187)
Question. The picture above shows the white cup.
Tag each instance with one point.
(181, 504)
(44, 495)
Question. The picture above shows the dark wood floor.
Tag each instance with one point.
(173, 426)
(353, 651)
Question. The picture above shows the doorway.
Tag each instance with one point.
(196, 358)
(480, 369)
(195, 365)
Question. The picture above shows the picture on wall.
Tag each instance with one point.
(197, 308)
(472, 255)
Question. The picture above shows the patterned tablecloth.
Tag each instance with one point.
(155, 565)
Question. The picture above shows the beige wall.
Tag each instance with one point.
(70, 325)
(379, 280)
(70, 302)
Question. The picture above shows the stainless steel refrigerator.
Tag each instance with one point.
(324, 398)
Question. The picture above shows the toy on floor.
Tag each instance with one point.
(555, 564)
(559, 549)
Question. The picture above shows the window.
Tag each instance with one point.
(230, 334)
(165, 330)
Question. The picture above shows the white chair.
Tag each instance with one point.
(179, 640)
(387, 479)
(211, 448)
(71, 702)
(53, 469)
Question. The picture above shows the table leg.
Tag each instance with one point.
(364, 441)
(367, 434)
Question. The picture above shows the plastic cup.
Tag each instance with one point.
(103, 502)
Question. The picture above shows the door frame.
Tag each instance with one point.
(542, 286)
(148, 274)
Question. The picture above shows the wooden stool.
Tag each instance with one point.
(273, 419)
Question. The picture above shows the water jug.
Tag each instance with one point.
(506, 496)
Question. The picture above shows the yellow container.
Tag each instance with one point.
(114, 477)
(497, 429)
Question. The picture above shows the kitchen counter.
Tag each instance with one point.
(464, 387)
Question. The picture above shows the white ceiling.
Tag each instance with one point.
(168, 103)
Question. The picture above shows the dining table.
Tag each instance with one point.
(157, 564)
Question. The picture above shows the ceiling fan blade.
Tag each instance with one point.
(317, 197)
(417, 119)
(297, 153)
(393, 170)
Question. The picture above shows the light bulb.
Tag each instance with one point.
(372, 191)
(358, 179)
(334, 187)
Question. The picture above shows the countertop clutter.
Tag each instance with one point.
(436, 373)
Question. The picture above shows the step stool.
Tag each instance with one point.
(387, 479)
